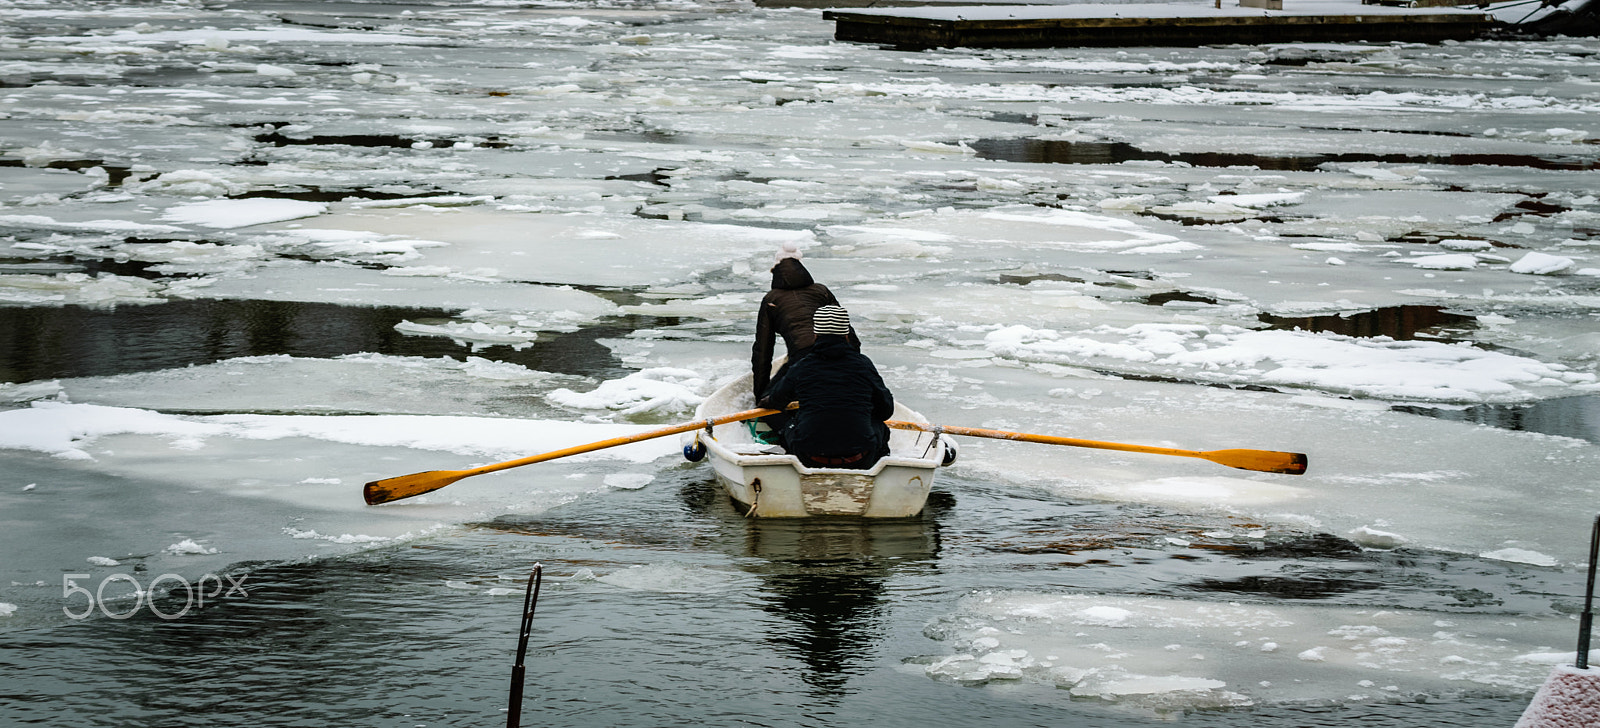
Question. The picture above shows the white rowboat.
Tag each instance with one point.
(772, 484)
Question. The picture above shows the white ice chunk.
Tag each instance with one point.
(1542, 264)
(345, 538)
(663, 390)
(1166, 684)
(40, 222)
(230, 214)
(1373, 538)
(1520, 556)
(188, 183)
(189, 547)
(1444, 262)
(628, 481)
(1260, 199)
(477, 334)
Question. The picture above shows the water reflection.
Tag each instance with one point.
(75, 341)
(1054, 151)
(827, 582)
(1566, 416)
(829, 577)
(1402, 323)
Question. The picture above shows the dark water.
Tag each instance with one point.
(1052, 151)
(1401, 323)
(75, 341)
(809, 626)
(1566, 416)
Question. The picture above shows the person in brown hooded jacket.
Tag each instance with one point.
(786, 311)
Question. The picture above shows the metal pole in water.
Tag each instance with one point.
(1586, 620)
(529, 601)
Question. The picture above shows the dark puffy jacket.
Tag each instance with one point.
(786, 311)
(843, 403)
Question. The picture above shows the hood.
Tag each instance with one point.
(789, 274)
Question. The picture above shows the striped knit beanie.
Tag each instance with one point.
(830, 320)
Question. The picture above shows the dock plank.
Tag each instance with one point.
(1124, 25)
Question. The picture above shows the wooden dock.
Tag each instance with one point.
(1149, 24)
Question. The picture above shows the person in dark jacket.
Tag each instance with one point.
(843, 400)
(786, 311)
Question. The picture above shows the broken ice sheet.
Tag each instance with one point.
(1173, 654)
(592, 249)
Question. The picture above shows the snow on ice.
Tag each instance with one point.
(69, 431)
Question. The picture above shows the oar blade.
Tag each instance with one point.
(405, 486)
(1262, 461)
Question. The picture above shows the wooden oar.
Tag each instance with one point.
(1266, 461)
(406, 486)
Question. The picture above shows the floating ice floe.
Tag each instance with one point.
(188, 547)
(1377, 367)
(1542, 264)
(1025, 227)
(662, 390)
(1122, 649)
(19, 392)
(520, 246)
(1444, 261)
(1521, 556)
(340, 539)
(628, 481)
(722, 304)
(126, 227)
(191, 258)
(187, 183)
(1259, 199)
(65, 430)
(476, 334)
(81, 289)
(210, 36)
(1374, 539)
(433, 201)
(1465, 245)
(230, 214)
